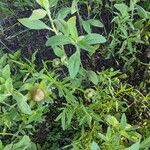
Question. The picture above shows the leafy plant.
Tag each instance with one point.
(66, 33)
(92, 104)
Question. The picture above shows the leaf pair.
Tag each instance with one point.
(33, 21)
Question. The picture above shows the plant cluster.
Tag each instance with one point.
(77, 106)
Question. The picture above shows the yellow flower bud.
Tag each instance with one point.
(37, 95)
(89, 93)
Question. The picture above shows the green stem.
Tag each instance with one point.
(10, 134)
(52, 22)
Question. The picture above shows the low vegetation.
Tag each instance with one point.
(74, 75)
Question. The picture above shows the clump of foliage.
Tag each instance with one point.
(84, 108)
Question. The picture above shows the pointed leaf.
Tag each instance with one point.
(6, 72)
(122, 8)
(96, 23)
(38, 14)
(87, 26)
(58, 51)
(22, 103)
(44, 3)
(141, 12)
(93, 77)
(74, 6)
(94, 146)
(123, 121)
(63, 12)
(72, 27)
(53, 3)
(23, 144)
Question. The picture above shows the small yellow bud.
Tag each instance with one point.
(64, 60)
(38, 95)
(56, 62)
(89, 93)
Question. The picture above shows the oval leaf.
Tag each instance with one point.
(74, 64)
(63, 12)
(33, 24)
(94, 38)
(38, 14)
(92, 77)
(58, 40)
(58, 51)
(96, 23)
(141, 12)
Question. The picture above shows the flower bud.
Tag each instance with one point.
(89, 93)
(56, 62)
(38, 95)
(64, 60)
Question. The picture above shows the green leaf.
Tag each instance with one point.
(44, 3)
(38, 14)
(135, 146)
(145, 143)
(58, 51)
(58, 40)
(9, 85)
(22, 103)
(131, 135)
(93, 77)
(23, 144)
(94, 146)
(74, 64)
(141, 12)
(87, 26)
(122, 8)
(33, 24)
(74, 6)
(108, 134)
(91, 22)
(72, 27)
(94, 38)
(62, 26)
(123, 122)
(85, 45)
(63, 12)
(96, 23)
(6, 72)
(3, 60)
(102, 136)
(53, 3)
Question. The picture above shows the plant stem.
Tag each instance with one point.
(10, 134)
(52, 22)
